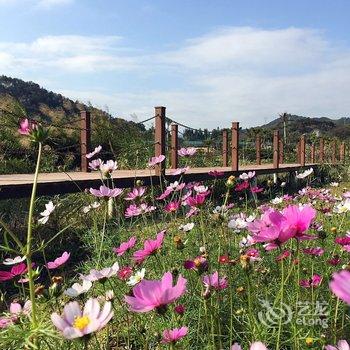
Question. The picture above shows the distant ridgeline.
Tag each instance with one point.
(128, 142)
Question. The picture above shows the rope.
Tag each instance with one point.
(146, 120)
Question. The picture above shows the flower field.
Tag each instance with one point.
(234, 263)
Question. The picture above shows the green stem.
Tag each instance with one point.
(29, 240)
(281, 307)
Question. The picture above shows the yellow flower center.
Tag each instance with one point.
(81, 322)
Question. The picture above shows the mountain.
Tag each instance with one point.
(120, 138)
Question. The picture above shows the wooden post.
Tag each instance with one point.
(85, 140)
(224, 148)
(281, 151)
(275, 157)
(334, 152)
(302, 150)
(321, 151)
(258, 149)
(174, 146)
(235, 146)
(312, 154)
(342, 152)
(298, 152)
(159, 138)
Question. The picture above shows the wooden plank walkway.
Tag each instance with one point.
(20, 185)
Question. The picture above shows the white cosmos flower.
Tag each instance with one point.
(137, 278)
(334, 184)
(78, 289)
(14, 261)
(94, 205)
(277, 200)
(342, 207)
(246, 176)
(200, 189)
(49, 208)
(108, 167)
(283, 184)
(186, 228)
(305, 174)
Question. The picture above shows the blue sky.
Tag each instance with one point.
(208, 62)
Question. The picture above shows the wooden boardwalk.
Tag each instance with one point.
(20, 185)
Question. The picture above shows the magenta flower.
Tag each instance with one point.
(216, 173)
(342, 345)
(214, 281)
(58, 261)
(196, 200)
(242, 186)
(16, 270)
(284, 255)
(174, 335)
(125, 246)
(25, 127)
(314, 281)
(124, 273)
(318, 251)
(150, 247)
(75, 323)
(157, 294)
(256, 189)
(186, 152)
(340, 285)
(137, 192)
(156, 160)
(106, 192)
(172, 206)
(94, 152)
(299, 219)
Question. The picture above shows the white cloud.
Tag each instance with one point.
(68, 53)
(240, 73)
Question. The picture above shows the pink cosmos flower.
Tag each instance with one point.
(216, 173)
(137, 192)
(174, 335)
(314, 281)
(342, 345)
(214, 281)
(58, 261)
(16, 310)
(134, 210)
(165, 194)
(94, 152)
(125, 246)
(180, 171)
(318, 251)
(254, 254)
(340, 285)
(96, 275)
(16, 270)
(75, 323)
(95, 164)
(199, 264)
(156, 294)
(150, 247)
(106, 192)
(186, 152)
(25, 127)
(299, 219)
(255, 346)
(156, 160)
(172, 207)
(346, 194)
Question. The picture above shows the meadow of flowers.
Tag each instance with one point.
(235, 263)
